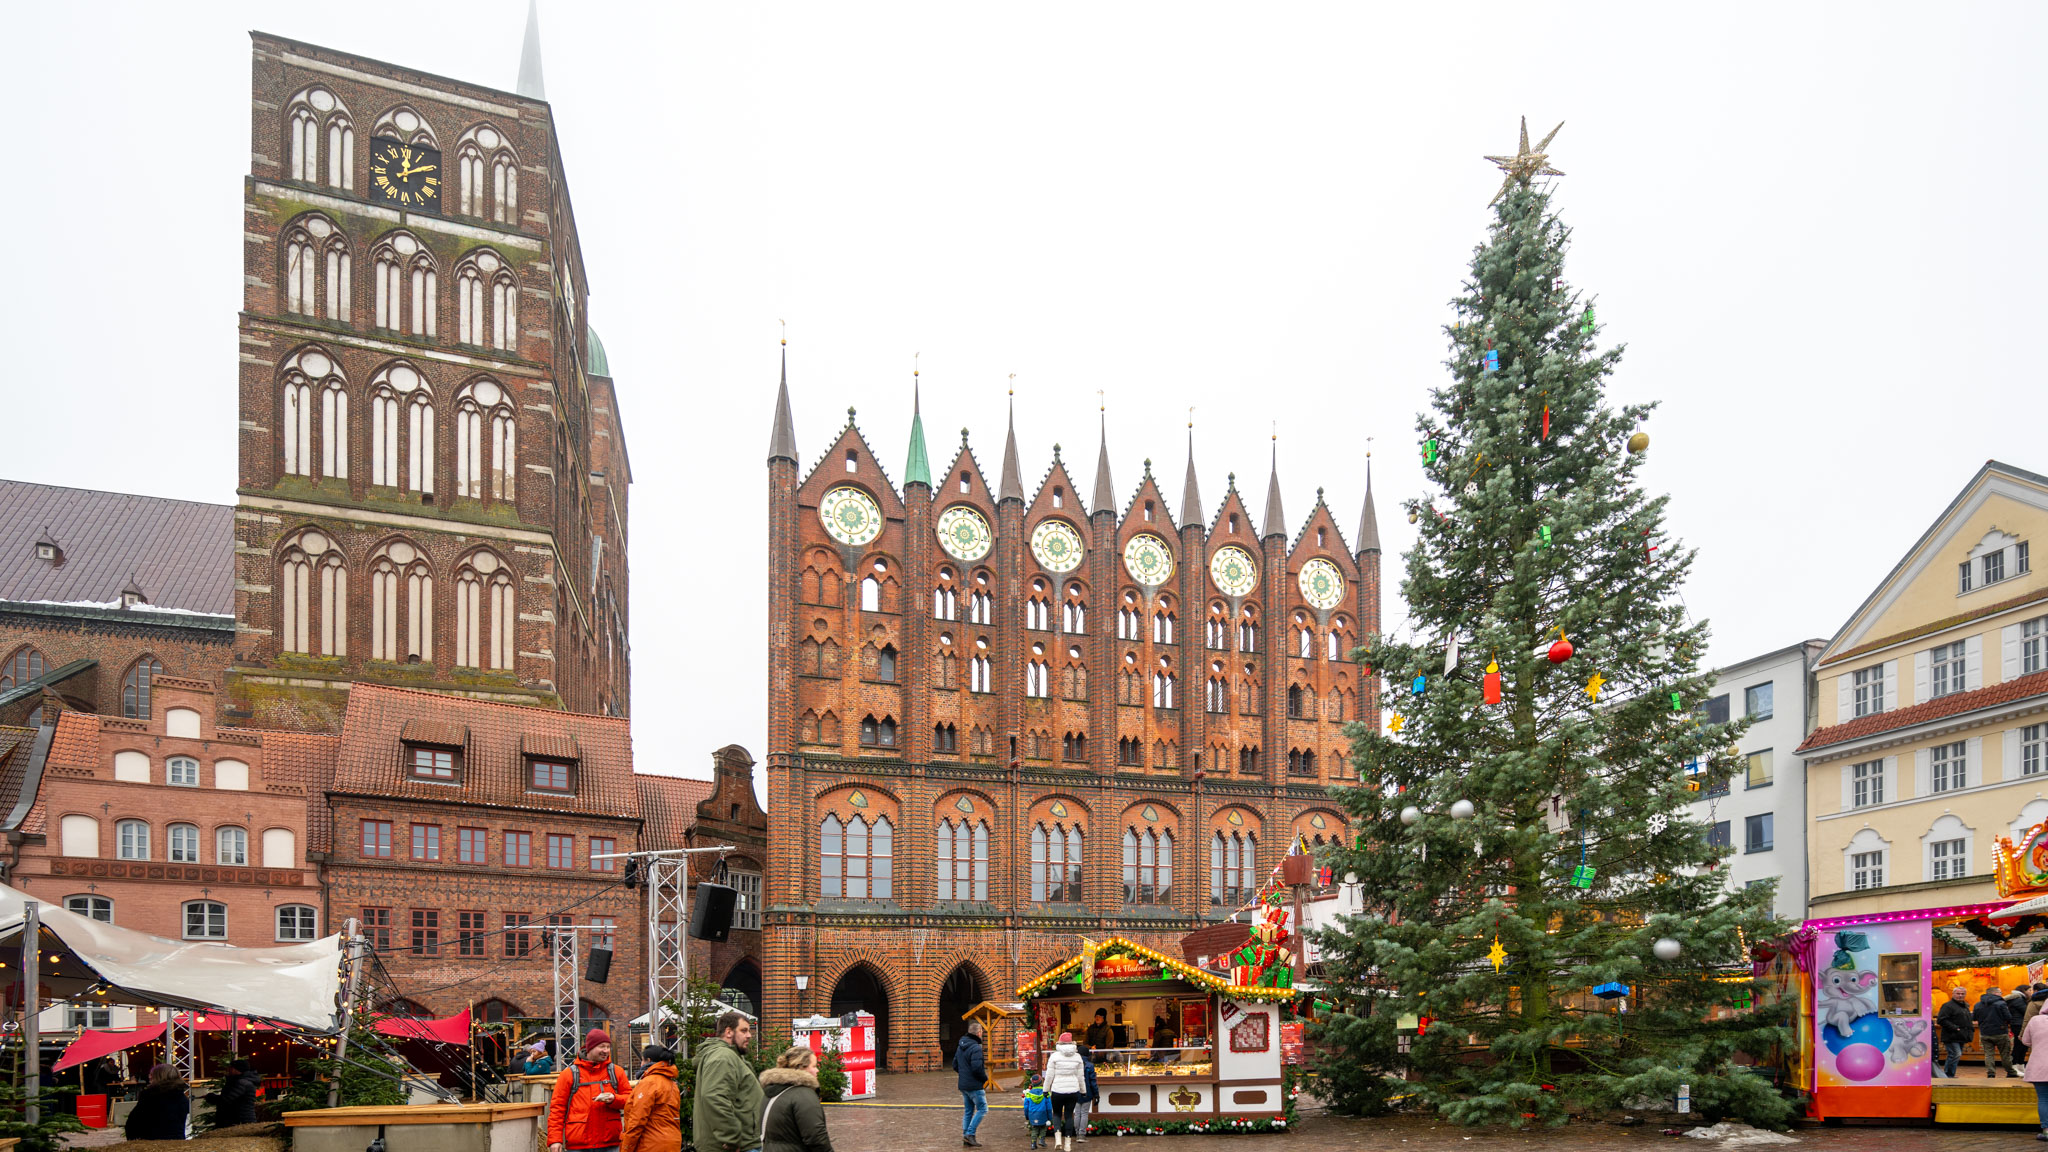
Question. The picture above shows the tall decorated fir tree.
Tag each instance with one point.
(1522, 829)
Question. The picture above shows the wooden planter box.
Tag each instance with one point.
(418, 1128)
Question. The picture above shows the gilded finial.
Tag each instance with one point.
(1191, 415)
(849, 415)
(913, 363)
(785, 332)
(1055, 453)
(1013, 383)
(1101, 405)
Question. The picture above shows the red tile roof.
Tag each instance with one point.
(493, 768)
(306, 759)
(1214, 940)
(181, 554)
(423, 731)
(550, 747)
(1954, 704)
(668, 804)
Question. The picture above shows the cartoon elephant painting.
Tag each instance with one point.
(1846, 997)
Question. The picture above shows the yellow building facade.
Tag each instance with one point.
(1933, 712)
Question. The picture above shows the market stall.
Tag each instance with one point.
(1873, 983)
(1172, 1044)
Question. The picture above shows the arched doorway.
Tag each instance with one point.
(860, 989)
(742, 987)
(965, 987)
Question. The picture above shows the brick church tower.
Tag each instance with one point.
(1000, 719)
(433, 476)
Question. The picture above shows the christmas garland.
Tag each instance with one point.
(1189, 1127)
(1119, 946)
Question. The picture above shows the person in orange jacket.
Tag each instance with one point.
(654, 1112)
(589, 1097)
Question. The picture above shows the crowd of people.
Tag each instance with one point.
(594, 1108)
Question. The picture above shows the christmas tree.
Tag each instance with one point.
(1522, 823)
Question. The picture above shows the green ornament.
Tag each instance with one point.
(1429, 452)
(1587, 327)
(1545, 533)
(1582, 876)
(1677, 703)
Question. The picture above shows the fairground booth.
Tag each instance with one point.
(1870, 985)
(1178, 1049)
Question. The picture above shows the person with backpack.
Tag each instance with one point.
(792, 1117)
(1037, 1110)
(589, 1099)
(1994, 1033)
(970, 1060)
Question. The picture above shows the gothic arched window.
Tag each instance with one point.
(488, 175)
(487, 302)
(1162, 690)
(401, 429)
(1056, 864)
(1074, 613)
(1164, 622)
(1148, 866)
(485, 613)
(1233, 869)
(25, 665)
(401, 604)
(317, 120)
(408, 285)
(856, 862)
(485, 442)
(136, 687)
(312, 596)
(402, 123)
(314, 416)
(1248, 630)
(963, 860)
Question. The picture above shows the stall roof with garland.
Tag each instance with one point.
(1118, 946)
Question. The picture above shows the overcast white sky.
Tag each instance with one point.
(1817, 228)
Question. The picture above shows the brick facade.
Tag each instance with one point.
(1116, 736)
(433, 476)
(115, 642)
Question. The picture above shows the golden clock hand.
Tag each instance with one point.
(421, 168)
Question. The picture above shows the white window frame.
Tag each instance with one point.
(123, 842)
(2032, 647)
(1866, 788)
(1948, 859)
(90, 906)
(207, 910)
(177, 832)
(1948, 767)
(1868, 690)
(746, 913)
(181, 766)
(221, 836)
(2030, 744)
(1866, 866)
(1947, 669)
(78, 1019)
(306, 924)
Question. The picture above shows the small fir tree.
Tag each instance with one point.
(1539, 531)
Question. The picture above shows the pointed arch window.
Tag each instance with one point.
(317, 129)
(981, 670)
(485, 442)
(1056, 858)
(487, 302)
(405, 124)
(485, 616)
(1215, 632)
(1037, 614)
(856, 861)
(1074, 747)
(1148, 866)
(1074, 613)
(137, 686)
(1248, 630)
(401, 429)
(963, 860)
(313, 596)
(1163, 690)
(1233, 869)
(945, 739)
(1217, 691)
(1305, 642)
(401, 604)
(1037, 674)
(1164, 623)
(407, 286)
(25, 665)
(488, 172)
(981, 608)
(1074, 678)
(314, 416)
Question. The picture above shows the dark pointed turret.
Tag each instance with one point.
(782, 441)
(1368, 520)
(1012, 487)
(1105, 488)
(1276, 519)
(918, 469)
(1191, 493)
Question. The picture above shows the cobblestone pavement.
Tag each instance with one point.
(921, 1113)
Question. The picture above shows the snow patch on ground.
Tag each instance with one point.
(1733, 1135)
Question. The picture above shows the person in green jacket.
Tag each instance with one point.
(726, 1116)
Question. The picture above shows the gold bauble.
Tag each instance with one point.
(1413, 516)
(1639, 443)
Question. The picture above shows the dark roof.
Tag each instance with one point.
(1941, 707)
(16, 747)
(1214, 940)
(668, 805)
(181, 554)
(493, 765)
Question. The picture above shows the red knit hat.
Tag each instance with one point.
(597, 1036)
(1066, 1037)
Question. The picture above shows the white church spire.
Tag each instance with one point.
(530, 84)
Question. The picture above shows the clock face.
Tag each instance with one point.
(850, 516)
(1057, 546)
(1234, 571)
(1148, 560)
(964, 534)
(1321, 584)
(408, 175)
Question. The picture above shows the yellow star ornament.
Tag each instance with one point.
(1497, 954)
(1594, 685)
(1394, 722)
(1525, 164)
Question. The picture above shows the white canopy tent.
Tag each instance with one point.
(297, 985)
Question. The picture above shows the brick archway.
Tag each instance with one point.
(962, 987)
(867, 985)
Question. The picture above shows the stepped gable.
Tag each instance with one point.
(830, 470)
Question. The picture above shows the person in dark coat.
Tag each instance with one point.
(234, 1102)
(1099, 1035)
(1089, 1101)
(163, 1109)
(970, 1060)
(99, 1076)
(1994, 1033)
(1954, 1022)
(792, 1116)
(2016, 1012)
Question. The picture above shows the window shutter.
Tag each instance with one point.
(2008, 652)
(1891, 778)
(2011, 758)
(1963, 577)
(1923, 772)
(1973, 663)
(1848, 773)
(1973, 767)
(1919, 677)
(1845, 701)
(1891, 685)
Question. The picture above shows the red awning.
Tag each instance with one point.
(92, 1045)
(448, 1030)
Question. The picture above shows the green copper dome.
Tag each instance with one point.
(595, 362)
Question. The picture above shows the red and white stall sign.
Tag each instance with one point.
(855, 1045)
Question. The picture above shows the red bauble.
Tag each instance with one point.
(1560, 651)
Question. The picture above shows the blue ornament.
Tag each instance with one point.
(1421, 682)
(1873, 1030)
(1492, 360)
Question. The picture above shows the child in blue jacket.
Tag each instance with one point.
(1037, 1110)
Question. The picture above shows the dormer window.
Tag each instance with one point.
(435, 764)
(852, 460)
(1059, 497)
(548, 776)
(46, 552)
(1148, 510)
(966, 481)
(1996, 557)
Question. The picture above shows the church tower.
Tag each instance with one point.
(433, 478)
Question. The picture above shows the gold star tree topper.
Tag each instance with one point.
(1525, 164)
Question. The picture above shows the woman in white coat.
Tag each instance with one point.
(1066, 1078)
